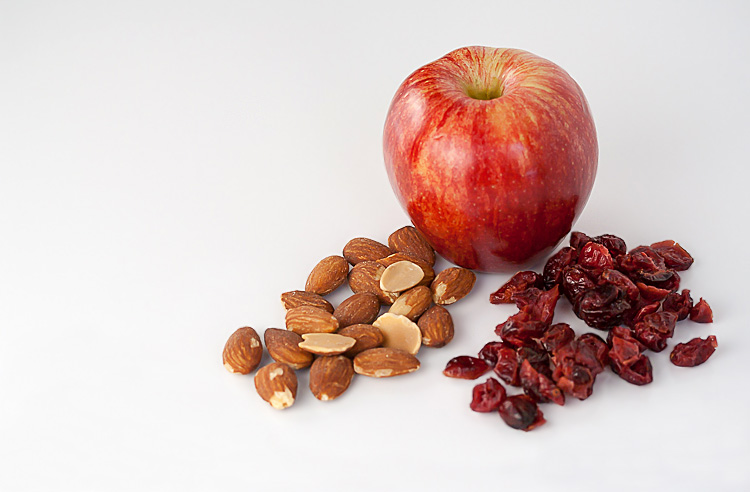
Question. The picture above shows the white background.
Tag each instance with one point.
(167, 169)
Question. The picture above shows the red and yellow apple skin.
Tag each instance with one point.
(492, 153)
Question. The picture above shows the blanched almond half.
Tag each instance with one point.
(326, 343)
(399, 332)
(401, 276)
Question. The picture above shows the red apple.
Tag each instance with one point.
(492, 153)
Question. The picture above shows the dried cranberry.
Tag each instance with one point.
(614, 244)
(489, 352)
(644, 310)
(694, 352)
(465, 367)
(542, 306)
(619, 279)
(651, 293)
(574, 281)
(520, 330)
(625, 334)
(517, 283)
(487, 396)
(577, 364)
(507, 366)
(667, 280)
(577, 380)
(595, 258)
(538, 358)
(521, 412)
(702, 313)
(625, 350)
(538, 386)
(556, 336)
(638, 372)
(602, 307)
(552, 274)
(578, 240)
(679, 304)
(655, 330)
(593, 344)
(675, 257)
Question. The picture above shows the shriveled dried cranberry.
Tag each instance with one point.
(552, 274)
(487, 396)
(655, 330)
(539, 305)
(625, 334)
(668, 280)
(694, 352)
(651, 293)
(644, 310)
(577, 380)
(521, 412)
(538, 386)
(639, 260)
(595, 258)
(602, 307)
(619, 279)
(701, 312)
(594, 345)
(578, 240)
(556, 336)
(489, 352)
(614, 244)
(679, 304)
(638, 372)
(465, 367)
(574, 281)
(538, 358)
(522, 333)
(674, 255)
(507, 366)
(625, 350)
(517, 283)
(577, 364)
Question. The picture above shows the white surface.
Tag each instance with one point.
(169, 168)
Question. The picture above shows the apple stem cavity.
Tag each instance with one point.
(484, 92)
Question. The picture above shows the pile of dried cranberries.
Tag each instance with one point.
(630, 294)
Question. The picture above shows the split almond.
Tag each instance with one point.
(283, 346)
(297, 298)
(401, 276)
(365, 277)
(367, 337)
(330, 376)
(276, 383)
(409, 240)
(452, 284)
(385, 362)
(436, 326)
(363, 249)
(326, 343)
(243, 351)
(361, 308)
(399, 332)
(308, 319)
(429, 273)
(413, 302)
(327, 275)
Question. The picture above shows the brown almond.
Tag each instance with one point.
(276, 383)
(384, 362)
(361, 308)
(297, 298)
(436, 326)
(308, 319)
(413, 302)
(399, 332)
(410, 241)
(429, 273)
(283, 346)
(327, 275)
(366, 336)
(365, 277)
(243, 351)
(452, 284)
(326, 343)
(362, 249)
(330, 376)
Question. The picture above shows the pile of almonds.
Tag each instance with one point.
(355, 338)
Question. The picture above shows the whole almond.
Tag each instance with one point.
(413, 302)
(384, 362)
(326, 343)
(429, 273)
(308, 319)
(362, 249)
(410, 241)
(276, 383)
(365, 277)
(297, 298)
(399, 332)
(366, 336)
(283, 346)
(327, 275)
(452, 284)
(436, 326)
(362, 308)
(330, 376)
(243, 351)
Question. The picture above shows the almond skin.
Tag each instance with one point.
(362, 249)
(283, 346)
(385, 362)
(243, 351)
(308, 319)
(330, 376)
(366, 336)
(429, 273)
(362, 308)
(365, 277)
(409, 240)
(327, 275)
(276, 383)
(297, 298)
(413, 302)
(452, 284)
(436, 325)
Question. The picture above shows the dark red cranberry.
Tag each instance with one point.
(651, 293)
(620, 280)
(487, 396)
(694, 352)
(578, 240)
(602, 307)
(626, 334)
(574, 281)
(521, 412)
(556, 336)
(521, 331)
(595, 258)
(644, 310)
(538, 386)
(655, 330)
(702, 313)
(537, 357)
(593, 345)
(679, 304)
(668, 280)
(507, 366)
(639, 372)
(552, 274)
(614, 244)
(465, 367)
(489, 352)
(517, 283)
(674, 255)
